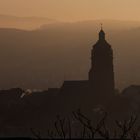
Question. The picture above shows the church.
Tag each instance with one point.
(100, 84)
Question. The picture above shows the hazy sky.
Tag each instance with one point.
(73, 9)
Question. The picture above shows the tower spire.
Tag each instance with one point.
(101, 33)
(101, 26)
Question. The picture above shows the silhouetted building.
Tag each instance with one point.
(100, 85)
(101, 74)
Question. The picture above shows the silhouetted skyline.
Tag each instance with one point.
(38, 69)
(70, 69)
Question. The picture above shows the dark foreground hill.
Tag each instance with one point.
(40, 113)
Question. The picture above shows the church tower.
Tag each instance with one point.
(101, 74)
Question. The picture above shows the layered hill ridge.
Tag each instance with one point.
(26, 23)
(45, 57)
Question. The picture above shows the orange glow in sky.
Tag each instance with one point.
(73, 9)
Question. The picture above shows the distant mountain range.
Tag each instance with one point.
(24, 22)
(94, 24)
(30, 23)
(47, 56)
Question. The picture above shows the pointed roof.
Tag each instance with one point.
(101, 33)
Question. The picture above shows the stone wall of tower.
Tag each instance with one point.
(101, 74)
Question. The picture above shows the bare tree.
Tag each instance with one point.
(59, 126)
(100, 128)
(36, 133)
(126, 127)
(64, 128)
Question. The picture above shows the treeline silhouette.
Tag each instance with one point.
(35, 113)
